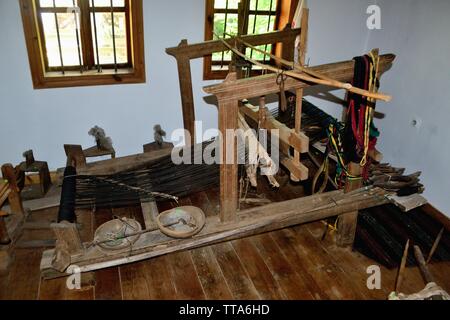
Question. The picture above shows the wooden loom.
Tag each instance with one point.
(231, 223)
(10, 223)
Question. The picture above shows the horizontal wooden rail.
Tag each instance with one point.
(200, 50)
(266, 84)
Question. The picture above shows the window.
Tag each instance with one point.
(259, 16)
(84, 42)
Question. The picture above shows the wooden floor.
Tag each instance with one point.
(287, 264)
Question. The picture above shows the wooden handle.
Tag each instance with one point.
(426, 274)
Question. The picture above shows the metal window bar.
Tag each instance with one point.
(224, 32)
(59, 39)
(77, 30)
(114, 36)
(94, 19)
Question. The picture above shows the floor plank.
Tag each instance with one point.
(258, 271)
(295, 259)
(52, 289)
(210, 274)
(84, 294)
(3, 286)
(329, 277)
(292, 284)
(107, 284)
(235, 275)
(24, 276)
(184, 276)
(133, 281)
(353, 263)
(159, 279)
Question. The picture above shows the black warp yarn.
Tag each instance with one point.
(67, 203)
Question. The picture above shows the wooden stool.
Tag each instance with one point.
(30, 165)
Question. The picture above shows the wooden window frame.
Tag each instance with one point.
(208, 72)
(43, 79)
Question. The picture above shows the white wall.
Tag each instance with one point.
(46, 119)
(417, 31)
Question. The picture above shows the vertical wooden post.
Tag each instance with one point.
(15, 202)
(243, 13)
(299, 92)
(150, 212)
(68, 243)
(187, 97)
(288, 47)
(348, 221)
(75, 155)
(228, 115)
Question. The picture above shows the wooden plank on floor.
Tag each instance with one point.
(133, 280)
(24, 275)
(329, 278)
(235, 275)
(4, 278)
(159, 279)
(298, 261)
(108, 284)
(84, 294)
(262, 278)
(184, 275)
(52, 289)
(440, 271)
(210, 275)
(354, 264)
(291, 283)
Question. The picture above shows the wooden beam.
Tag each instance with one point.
(228, 123)
(347, 222)
(133, 162)
(75, 155)
(266, 84)
(248, 222)
(150, 212)
(299, 141)
(299, 92)
(187, 96)
(200, 50)
(288, 138)
(425, 272)
(14, 199)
